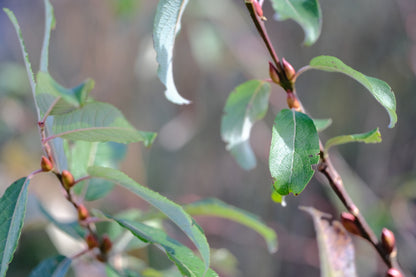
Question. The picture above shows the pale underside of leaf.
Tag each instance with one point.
(166, 26)
(373, 136)
(336, 250)
(247, 104)
(307, 13)
(380, 90)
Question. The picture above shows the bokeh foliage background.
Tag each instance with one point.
(217, 49)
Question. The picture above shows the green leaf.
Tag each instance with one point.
(336, 250)
(83, 154)
(98, 121)
(165, 28)
(49, 25)
(373, 136)
(294, 149)
(186, 261)
(247, 104)
(49, 92)
(380, 90)
(322, 124)
(56, 266)
(306, 13)
(217, 208)
(175, 212)
(12, 213)
(29, 70)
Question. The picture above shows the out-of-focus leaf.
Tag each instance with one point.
(49, 92)
(172, 210)
(247, 104)
(306, 13)
(186, 261)
(322, 124)
(165, 28)
(336, 250)
(83, 154)
(49, 25)
(380, 90)
(217, 208)
(373, 136)
(294, 149)
(12, 214)
(98, 121)
(56, 266)
(72, 229)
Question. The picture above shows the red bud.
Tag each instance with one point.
(106, 244)
(258, 10)
(46, 164)
(83, 213)
(91, 241)
(292, 101)
(349, 222)
(67, 179)
(392, 272)
(289, 70)
(388, 241)
(273, 73)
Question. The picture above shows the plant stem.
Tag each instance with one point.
(325, 166)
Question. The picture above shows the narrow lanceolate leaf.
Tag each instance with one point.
(373, 136)
(336, 251)
(217, 208)
(12, 214)
(49, 25)
(56, 266)
(98, 121)
(380, 90)
(294, 149)
(29, 71)
(165, 28)
(49, 92)
(187, 262)
(306, 13)
(173, 211)
(247, 104)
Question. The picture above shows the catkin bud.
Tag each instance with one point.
(67, 179)
(46, 164)
(106, 244)
(349, 223)
(289, 70)
(91, 241)
(392, 272)
(388, 241)
(273, 73)
(83, 213)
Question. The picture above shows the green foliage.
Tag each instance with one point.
(306, 13)
(13, 210)
(381, 91)
(169, 208)
(166, 26)
(294, 149)
(186, 261)
(245, 105)
(322, 124)
(373, 136)
(98, 121)
(56, 266)
(217, 208)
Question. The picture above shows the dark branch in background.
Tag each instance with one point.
(389, 256)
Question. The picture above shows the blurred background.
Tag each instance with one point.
(218, 48)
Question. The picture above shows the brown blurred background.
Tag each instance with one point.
(217, 49)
